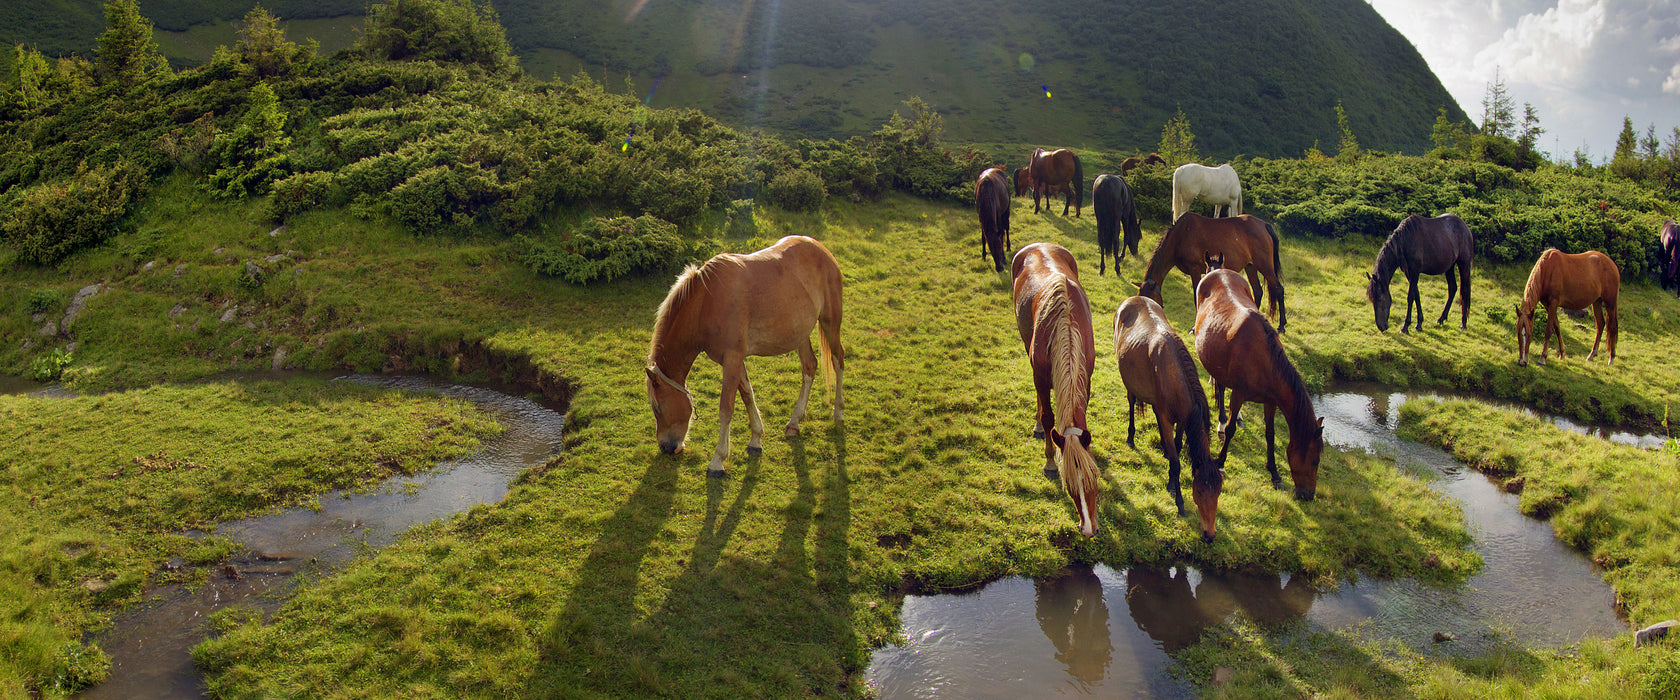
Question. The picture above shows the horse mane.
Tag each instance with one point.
(691, 278)
(1388, 257)
(1160, 261)
(1301, 415)
(1531, 290)
(1056, 308)
(1202, 467)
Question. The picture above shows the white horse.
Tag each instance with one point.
(1216, 186)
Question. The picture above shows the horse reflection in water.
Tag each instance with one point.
(1165, 607)
(1074, 618)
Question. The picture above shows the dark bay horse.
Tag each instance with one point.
(1157, 370)
(1054, 318)
(1422, 246)
(1572, 282)
(1242, 353)
(1111, 199)
(1049, 173)
(991, 200)
(762, 303)
(1135, 162)
(1669, 237)
(1246, 242)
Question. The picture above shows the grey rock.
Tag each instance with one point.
(1223, 675)
(280, 355)
(95, 586)
(278, 230)
(51, 329)
(177, 310)
(71, 346)
(277, 257)
(253, 273)
(79, 302)
(218, 251)
(230, 314)
(38, 317)
(148, 267)
(180, 269)
(1653, 633)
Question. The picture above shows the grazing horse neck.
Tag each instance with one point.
(1388, 259)
(671, 353)
(1162, 259)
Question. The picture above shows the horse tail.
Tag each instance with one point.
(1238, 206)
(1129, 220)
(1277, 264)
(1078, 182)
(1180, 196)
(830, 315)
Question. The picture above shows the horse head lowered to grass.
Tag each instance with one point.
(761, 303)
(1241, 352)
(1053, 316)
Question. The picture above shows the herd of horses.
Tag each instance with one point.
(769, 301)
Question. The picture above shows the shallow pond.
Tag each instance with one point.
(1099, 631)
(150, 645)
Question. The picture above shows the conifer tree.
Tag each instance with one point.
(1348, 148)
(127, 53)
(1178, 144)
(1498, 112)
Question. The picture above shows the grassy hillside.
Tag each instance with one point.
(1116, 71)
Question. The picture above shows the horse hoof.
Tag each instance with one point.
(1038, 433)
(717, 474)
(754, 451)
(1207, 538)
(1052, 474)
(792, 431)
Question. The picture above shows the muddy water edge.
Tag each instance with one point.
(150, 645)
(1104, 632)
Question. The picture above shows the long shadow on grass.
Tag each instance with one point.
(729, 624)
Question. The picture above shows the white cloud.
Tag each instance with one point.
(1548, 47)
(1672, 84)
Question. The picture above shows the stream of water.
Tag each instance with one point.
(150, 645)
(1103, 632)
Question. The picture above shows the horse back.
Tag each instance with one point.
(1573, 280)
(1145, 349)
(1242, 239)
(780, 292)
(1233, 339)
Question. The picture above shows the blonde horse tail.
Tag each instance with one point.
(1178, 203)
(833, 359)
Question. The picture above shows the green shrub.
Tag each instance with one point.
(40, 300)
(48, 367)
(604, 249)
(453, 31)
(443, 198)
(796, 190)
(46, 222)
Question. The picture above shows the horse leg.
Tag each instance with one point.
(1271, 458)
(1229, 429)
(1551, 327)
(1169, 447)
(755, 420)
(1219, 402)
(1046, 422)
(1131, 419)
(1610, 310)
(1464, 294)
(1035, 199)
(1452, 291)
(1412, 298)
(734, 366)
(808, 372)
(1045, 418)
(1598, 319)
(1254, 285)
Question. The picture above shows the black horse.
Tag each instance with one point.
(1112, 200)
(991, 201)
(1670, 239)
(1422, 246)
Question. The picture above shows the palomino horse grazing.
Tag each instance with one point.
(1422, 246)
(1049, 173)
(1054, 318)
(1669, 237)
(991, 200)
(761, 303)
(1112, 201)
(1242, 353)
(1572, 282)
(1158, 371)
(1244, 241)
(1216, 186)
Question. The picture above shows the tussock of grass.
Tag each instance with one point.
(95, 491)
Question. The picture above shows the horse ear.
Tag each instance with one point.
(1139, 285)
(1368, 277)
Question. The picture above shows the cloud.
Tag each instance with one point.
(1548, 47)
(1672, 84)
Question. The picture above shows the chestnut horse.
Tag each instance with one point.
(1246, 242)
(1216, 186)
(1135, 162)
(1422, 246)
(1572, 282)
(1111, 199)
(1242, 353)
(1157, 370)
(1669, 237)
(762, 303)
(1054, 318)
(1049, 173)
(991, 200)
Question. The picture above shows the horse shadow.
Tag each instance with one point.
(737, 611)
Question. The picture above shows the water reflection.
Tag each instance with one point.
(1074, 618)
(1532, 590)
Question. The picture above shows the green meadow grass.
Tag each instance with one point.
(97, 491)
(616, 571)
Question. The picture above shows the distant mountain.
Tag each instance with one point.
(1260, 77)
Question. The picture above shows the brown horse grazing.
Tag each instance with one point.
(1135, 162)
(1242, 353)
(1246, 242)
(1669, 239)
(1572, 282)
(991, 200)
(1422, 246)
(1055, 172)
(1054, 318)
(762, 303)
(1157, 370)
